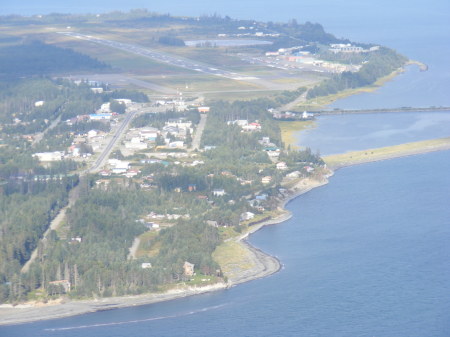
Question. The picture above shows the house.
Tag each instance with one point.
(266, 179)
(65, 284)
(203, 109)
(92, 133)
(238, 122)
(345, 48)
(76, 239)
(120, 166)
(212, 223)
(97, 90)
(293, 175)
(273, 154)
(102, 183)
(105, 173)
(173, 130)
(265, 140)
(125, 101)
(135, 144)
(105, 107)
(218, 192)
(149, 133)
(39, 103)
(146, 265)
(176, 144)
(132, 173)
(188, 268)
(306, 115)
(247, 216)
(281, 166)
(181, 123)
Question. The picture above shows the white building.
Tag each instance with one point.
(125, 101)
(136, 144)
(176, 144)
(105, 108)
(49, 156)
(281, 166)
(218, 192)
(266, 179)
(247, 216)
(179, 123)
(92, 133)
(100, 116)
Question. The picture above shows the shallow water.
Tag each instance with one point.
(352, 132)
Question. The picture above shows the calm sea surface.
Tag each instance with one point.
(367, 254)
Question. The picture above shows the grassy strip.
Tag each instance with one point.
(370, 155)
(233, 258)
(289, 129)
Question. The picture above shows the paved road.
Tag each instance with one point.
(41, 135)
(199, 132)
(294, 103)
(117, 135)
(163, 57)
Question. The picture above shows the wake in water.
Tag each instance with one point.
(138, 320)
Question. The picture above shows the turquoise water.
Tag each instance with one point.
(367, 254)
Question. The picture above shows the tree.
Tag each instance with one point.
(117, 107)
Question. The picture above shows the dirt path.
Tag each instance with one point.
(199, 132)
(297, 101)
(133, 249)
(54, 225)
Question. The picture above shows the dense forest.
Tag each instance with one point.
(378, 64)
(37, 58)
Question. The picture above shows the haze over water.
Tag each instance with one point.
(366, 255)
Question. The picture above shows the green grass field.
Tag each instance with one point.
(289, 129)
(359, 157)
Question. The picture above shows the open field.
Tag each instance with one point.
(144, 248)
(241, 95)
(233, 258)
(370, 155)
(196, 82)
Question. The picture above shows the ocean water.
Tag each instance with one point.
(367, 254)
(335, 134)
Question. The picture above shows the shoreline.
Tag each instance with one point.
(336, 162)
(263, 265)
